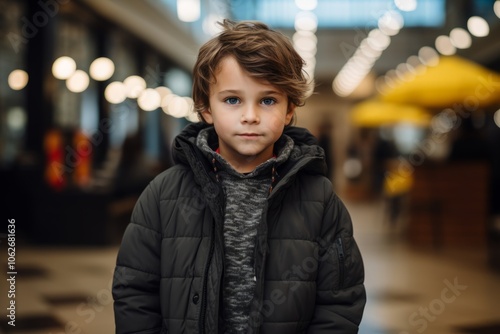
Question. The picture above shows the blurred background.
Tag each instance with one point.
(405, 102)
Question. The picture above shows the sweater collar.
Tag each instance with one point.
(207, 142)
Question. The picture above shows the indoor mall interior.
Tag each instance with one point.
(404, 99)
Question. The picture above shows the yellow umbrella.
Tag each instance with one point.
(373, 113)
(453, 80)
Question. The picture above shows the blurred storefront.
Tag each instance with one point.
(77, 145)
(428, 144)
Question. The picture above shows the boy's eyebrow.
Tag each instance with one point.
(236, 91)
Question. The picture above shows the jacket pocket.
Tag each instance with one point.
(349, 262)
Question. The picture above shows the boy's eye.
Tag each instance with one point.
(232, 100)
(268, 101)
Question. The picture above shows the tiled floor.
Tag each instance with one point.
(409, 291)
(422, 291)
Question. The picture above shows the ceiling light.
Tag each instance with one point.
(414, 61)
(149, 99)
(378, 40)
(163, 91)
(304, 43)
(188, 10)
(406, 5)
(135, 85)
(115, 92)
(362, 61)
(18, 79)
(444, 46)
(428, 56)
(367, 50)
(179, 107)
(496, 8)
(302, 34)
(310, 62)
(390, 81)
(210, 26)
(405, 72)
(306, 4)
(307, 54)
(102, 69)
(390, 23)
(63, 67)
(193, 117)
(78, 81)
(478, 26)
(391, 78)
(496, 117)
(306, 21)
(460, 38)
(309, 69)
(165, 103)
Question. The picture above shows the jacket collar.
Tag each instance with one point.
(306, 155)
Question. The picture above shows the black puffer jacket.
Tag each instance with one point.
(309, 270)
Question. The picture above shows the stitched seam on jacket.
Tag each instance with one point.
(136, 269)
(175, 199)
(345, 288)
(143, 330)
(180, 277)
(144, 226)
(286, 322)
(183, 237)
(280, 280)
(298, 239)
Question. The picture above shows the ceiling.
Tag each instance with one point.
(156, 22)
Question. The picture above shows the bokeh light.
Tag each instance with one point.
(115, 92)
(18, 79)
(478, 26)
(102, 69)
(149, 99)
(78, 82)
(135, 85)
(63, 67)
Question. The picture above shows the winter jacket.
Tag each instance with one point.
(308, 268)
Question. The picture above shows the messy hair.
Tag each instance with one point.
(262, 52)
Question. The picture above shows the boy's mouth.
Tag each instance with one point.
(248, 135)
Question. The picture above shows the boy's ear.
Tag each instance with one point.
(289, 114)
(207, 116)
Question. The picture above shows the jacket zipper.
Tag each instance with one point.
(261, 278)
(340, 252)
(203, 310)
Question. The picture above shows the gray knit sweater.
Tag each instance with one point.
(245, 195)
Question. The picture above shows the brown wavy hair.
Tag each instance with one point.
(262, 52)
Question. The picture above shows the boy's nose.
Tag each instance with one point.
(250, 115)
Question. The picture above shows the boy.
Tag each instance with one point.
(244, 234)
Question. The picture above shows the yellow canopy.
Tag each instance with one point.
(373, 113)
(454, 80)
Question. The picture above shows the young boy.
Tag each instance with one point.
(244, 234)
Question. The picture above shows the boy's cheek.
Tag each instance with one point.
(277, 122)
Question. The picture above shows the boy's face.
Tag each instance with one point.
(248, 115)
